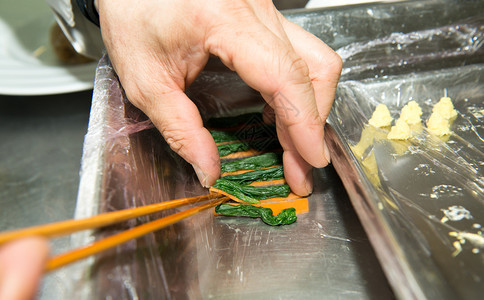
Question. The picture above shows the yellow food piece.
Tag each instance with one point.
(401, 131)
(369, 135)
(371, 169)
(438, 125)
(445, 108)
(416, 127)
(411, 113)
(442, 115)
(381, 116)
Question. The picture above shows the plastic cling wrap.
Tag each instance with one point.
(126, 164)
(427, 192)
(419, 200)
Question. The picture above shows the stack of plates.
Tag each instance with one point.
(28, 64)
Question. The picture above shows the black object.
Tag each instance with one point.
(89, 10)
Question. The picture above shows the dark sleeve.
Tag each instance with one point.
(88, 9)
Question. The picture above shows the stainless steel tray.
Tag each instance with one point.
(420, 197)
(324, 254)
(126, 163)
(421, 201)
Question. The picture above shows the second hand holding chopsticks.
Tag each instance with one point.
(70, 226)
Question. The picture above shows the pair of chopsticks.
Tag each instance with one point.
(71, 226)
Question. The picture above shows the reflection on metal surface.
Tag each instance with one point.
(400, 190)
(324, 253)
(40, 156)
(409, 186)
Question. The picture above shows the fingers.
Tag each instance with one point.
(156, 60)
(299, 176)
(296, 74)
(324, 64)
(324, 69)
(21, 266)
(270, 65)
(297, 172)
(178, 120)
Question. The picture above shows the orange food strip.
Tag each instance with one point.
(277, 204)
(242, 154)
(218, 191)
(226, 143)
(271, 182)
(291, 196)
(300, 204)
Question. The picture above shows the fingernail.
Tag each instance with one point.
(308, 181)
(327, 155)
(202, 177)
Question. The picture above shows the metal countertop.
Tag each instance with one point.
(40, 153)
(39, 175)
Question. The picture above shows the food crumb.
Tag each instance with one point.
(458, 248)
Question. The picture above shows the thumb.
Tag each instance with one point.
(21, 266)
(178, 120)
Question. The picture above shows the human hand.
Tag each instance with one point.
(22, 264)
(158, 47)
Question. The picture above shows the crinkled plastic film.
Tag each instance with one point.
(421, 50)
(420, 200)
(420, 193)
(125, 164)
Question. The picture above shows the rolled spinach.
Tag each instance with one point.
(257, 175)
(252, 194)
(226, 149)
(254, 162)
(285, 217)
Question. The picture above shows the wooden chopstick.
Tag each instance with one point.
(70, 226)
(112, 241)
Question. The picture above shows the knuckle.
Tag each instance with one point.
(176, 139)
(329, 69)
(310, 123)
(298, 67)
(335, 62)
(136, 93)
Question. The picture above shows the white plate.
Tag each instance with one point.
(28, 65)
